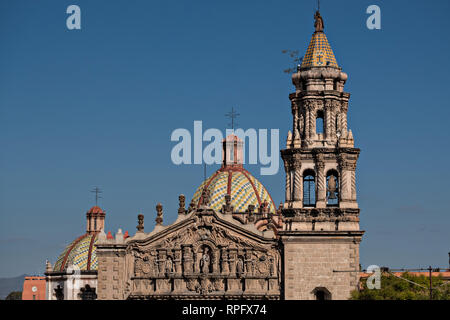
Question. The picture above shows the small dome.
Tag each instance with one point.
(81, 253)
(95, 209)
(243, 188)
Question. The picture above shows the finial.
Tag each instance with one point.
(159, 214)
(318, 24)
(182, 204)
(289, 139)
(140, 226)
(232, 115)
(48, 266)
(97, 191)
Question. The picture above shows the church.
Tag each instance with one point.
(232, 241)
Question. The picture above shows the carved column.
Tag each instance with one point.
(177, 261)
(187, 259)
(248, 262)
(320, 176)
(327, 120)
(298, 182)
(334, 122)
(338, 121)
(345, 183)
(344, 109)
(287, 169)
(161, 261)
(301, 126)
(215, 261)
(233, 260)
(312, 120)
(307, 107)
(233, 283)
(224, 261)
(294, 118)
(353, 185)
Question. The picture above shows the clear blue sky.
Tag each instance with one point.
(97, 107)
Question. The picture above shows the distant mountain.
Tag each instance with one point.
(11, 284)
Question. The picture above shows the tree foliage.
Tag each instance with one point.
(14, 295)
(394, 288)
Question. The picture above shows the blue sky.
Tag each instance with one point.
(97, 106)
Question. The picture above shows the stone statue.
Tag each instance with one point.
(169, 265)
(318, 24)
(240, 266)
(227, 208)
(140, 226)
(205, 197)
(191, 206)
(204, 261)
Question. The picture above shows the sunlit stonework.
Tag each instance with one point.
(231, 242)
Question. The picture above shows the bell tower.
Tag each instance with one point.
(321, 233)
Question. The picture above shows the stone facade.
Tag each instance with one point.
(307, 249)
(203, 255)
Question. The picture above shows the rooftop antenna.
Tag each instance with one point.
(204, 172)
(97, 191)
(232, 115)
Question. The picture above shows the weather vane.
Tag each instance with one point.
(97, 192)
(232, 115)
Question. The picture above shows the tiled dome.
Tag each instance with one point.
(319, 53)
(95, 209)
(243, 188)
(81, 253)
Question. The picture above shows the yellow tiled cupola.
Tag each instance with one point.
(319, 53)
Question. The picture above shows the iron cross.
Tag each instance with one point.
(232, 115)
(97, 191)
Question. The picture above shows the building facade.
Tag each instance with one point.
(232, 242)
(33, 288)
(74, 274)
(321, 232)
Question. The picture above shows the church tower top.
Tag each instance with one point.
(319, 53)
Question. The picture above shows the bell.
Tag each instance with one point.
(332, 187)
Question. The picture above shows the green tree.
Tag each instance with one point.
(394, 288)
(14, 295)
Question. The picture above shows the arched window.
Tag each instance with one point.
(319, 122)
(332, 188)
(321, 293)
(309, 188)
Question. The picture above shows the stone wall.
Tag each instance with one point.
(111, 270)
(310, 262)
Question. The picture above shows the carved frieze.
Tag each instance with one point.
(203, 258)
